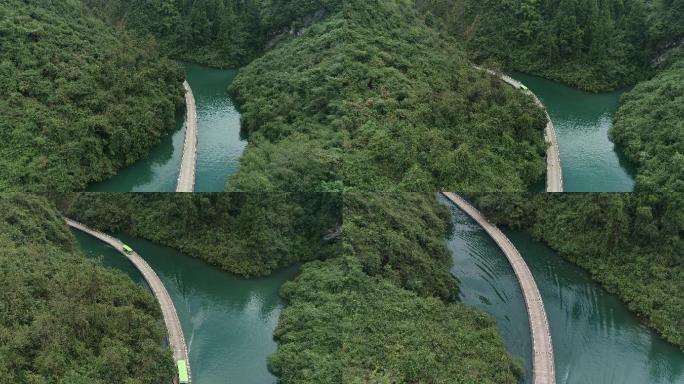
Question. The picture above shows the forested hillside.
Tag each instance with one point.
(371, 315)
(650, 128)
(372, 99)
(596, 45)
(80, 99)
(246, 234)
(220, 33)
(631, 243)
(65, 319)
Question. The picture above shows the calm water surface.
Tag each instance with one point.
(228, 321)
(596, 339)
(589, 160)
(219, 146)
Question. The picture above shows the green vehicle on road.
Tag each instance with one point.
(183, 372)
(127, 249)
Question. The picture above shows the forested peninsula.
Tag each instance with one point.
(66, 319)
(383, 311)
(631, 243)
(373, 99)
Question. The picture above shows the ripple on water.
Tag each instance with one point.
(596, 339)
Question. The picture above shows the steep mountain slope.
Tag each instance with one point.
(596, 45)
(80, 99)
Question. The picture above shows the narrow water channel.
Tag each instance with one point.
(219, 146)
(589, 160)
(595, 337)
(228, 321)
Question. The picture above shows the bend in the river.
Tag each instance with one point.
(186, 175)
(554, 174)
(591, 162)
(171, 320)
(543, 368)
(218, 145)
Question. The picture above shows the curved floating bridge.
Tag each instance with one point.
(554, 174)
(171, 320)
(543, 370)
(186, 176)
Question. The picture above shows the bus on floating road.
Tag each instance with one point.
(524, 88)
(127, 249)
(183, 372)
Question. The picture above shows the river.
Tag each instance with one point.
(589, 160)
(228, 321)
(219, 146)
(596, 339)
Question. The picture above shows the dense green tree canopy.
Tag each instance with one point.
(373, 314)
(400, 236)
(650, 128)
(65, 319)
(344, 326)
(372, 99)
(220, 33)
(631, 243)
(80, 99)
(596, 45)
(247, 234)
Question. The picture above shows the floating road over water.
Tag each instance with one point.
(171, 320)
(543, 368)
(186, 176)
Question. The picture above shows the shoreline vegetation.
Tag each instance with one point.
(81, 99)
(630, 243)
(64, 318)
(380, 261)
(391, 253)
(335, 96)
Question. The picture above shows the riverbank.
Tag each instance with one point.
(628, 242)
(590, 161)
(228, 320)
(218, 145)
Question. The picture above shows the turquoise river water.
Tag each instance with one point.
(228, 321)
(596, 339)
(589, 160)
(219, 145)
